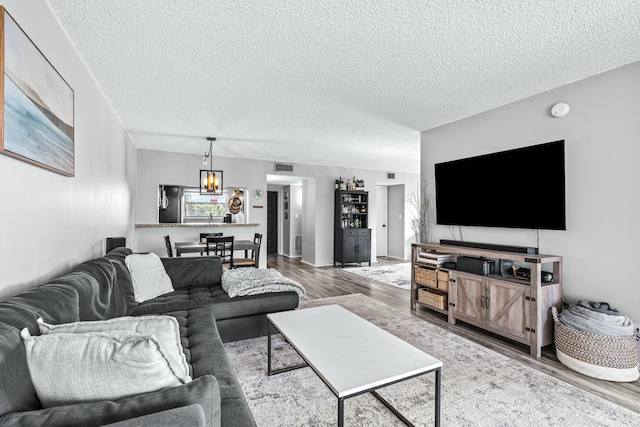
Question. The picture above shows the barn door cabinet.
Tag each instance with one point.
(495, 305)
(518, 309)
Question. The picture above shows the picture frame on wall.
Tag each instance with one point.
(37, 114)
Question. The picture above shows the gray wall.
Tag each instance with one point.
(602, 149)
(316, 204)
(51, 222)
(163, 168)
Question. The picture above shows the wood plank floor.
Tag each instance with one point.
(322, 282)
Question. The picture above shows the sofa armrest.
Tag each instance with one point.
(187, 416)
(203, 391)
(193, 271)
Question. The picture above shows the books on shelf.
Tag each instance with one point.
(434, 259)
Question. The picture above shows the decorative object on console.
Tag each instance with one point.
(210, 182)
(422, 221)
(36, 122)
(350, 184)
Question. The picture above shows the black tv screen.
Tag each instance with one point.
(521, 188)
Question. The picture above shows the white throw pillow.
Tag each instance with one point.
(164, 328)
(148, 276)
(95, 366)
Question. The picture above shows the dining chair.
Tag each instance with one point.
(203, 236)
(255, 254)
(223, 247)
(167, 243)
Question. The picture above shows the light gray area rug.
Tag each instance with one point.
(479, 386)
(398, 275)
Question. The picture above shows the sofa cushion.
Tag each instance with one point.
(164, 328)
(117, 257)
(205, 352)
(74, 368)
(193, 271)
(202, 391)
(223, 306)
(100, 295)
(185, 416)
(148, 276)
(17, 392)
(55, 303)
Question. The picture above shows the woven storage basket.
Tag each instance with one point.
(433, 298)
(426, 276)
(598, 356)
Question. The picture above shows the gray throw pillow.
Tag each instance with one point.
(95, 366)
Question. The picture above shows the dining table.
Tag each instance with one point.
(201, 247)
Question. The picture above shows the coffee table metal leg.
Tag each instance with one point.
(268, 348)
(437, 397)
(340, 412)
(270, 370)
(392, 409)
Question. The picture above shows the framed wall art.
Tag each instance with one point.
(37, 104)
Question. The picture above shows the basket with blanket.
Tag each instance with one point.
(596, 340)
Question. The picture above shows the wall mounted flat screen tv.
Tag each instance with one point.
(521, 188)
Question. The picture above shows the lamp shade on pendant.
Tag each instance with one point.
(210, 182)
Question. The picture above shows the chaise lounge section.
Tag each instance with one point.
(101, 289)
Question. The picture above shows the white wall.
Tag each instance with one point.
(317, 199)
(602, 149)
(163, 168)
(51, 222)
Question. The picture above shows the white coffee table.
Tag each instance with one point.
(351, 355)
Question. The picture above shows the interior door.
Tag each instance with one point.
(272, 222)
(382, 211)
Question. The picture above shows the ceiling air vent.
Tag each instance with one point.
(391, 175)
(281, 167)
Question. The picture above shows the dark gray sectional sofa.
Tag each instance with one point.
(101, 289)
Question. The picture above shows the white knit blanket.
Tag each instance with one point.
(253, 281)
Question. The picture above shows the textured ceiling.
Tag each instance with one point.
(348, 83)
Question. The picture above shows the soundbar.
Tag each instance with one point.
(491, 246)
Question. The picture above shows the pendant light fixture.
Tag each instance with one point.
(210, 180)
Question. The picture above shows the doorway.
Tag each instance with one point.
(382, 210)
(272, 222)
(396, 222)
